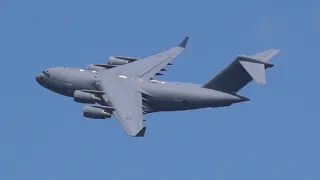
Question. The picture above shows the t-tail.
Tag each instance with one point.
(241, 71)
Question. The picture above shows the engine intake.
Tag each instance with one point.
(95, 113)
(84, 97)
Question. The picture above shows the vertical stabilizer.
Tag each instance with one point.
(241, 71)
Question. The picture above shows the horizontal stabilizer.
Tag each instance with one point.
(256, 64)
(256, 71)
(261, 58)
(265, 55)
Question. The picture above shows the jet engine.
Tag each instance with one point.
(117, 61)
(113, 61)
(95, 113)
(94, 67)
(84, 97)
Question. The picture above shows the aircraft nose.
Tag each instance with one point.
(39, 77)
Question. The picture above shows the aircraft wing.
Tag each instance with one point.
(150, 66)
(126, 102)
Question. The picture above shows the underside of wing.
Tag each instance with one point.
(150, 66)
(126, 102)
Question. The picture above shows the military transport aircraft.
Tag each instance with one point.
(125, 87)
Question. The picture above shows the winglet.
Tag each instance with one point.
(141, 133)
(183, 43)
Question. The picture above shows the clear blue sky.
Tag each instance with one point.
(274, 136)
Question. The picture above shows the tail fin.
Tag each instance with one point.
(241, 71)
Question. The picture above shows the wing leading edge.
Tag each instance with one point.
(150, 66)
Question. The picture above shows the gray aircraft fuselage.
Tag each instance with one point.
(161, 96)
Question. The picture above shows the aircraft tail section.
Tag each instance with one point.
(241, 71)
(264, 56)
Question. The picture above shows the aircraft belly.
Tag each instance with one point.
(156, 106)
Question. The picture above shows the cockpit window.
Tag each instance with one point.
(46, 73)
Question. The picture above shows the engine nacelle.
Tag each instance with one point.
(84, 97)
(117, 61)
(95, 113)
(130, 59)
(95, 68)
